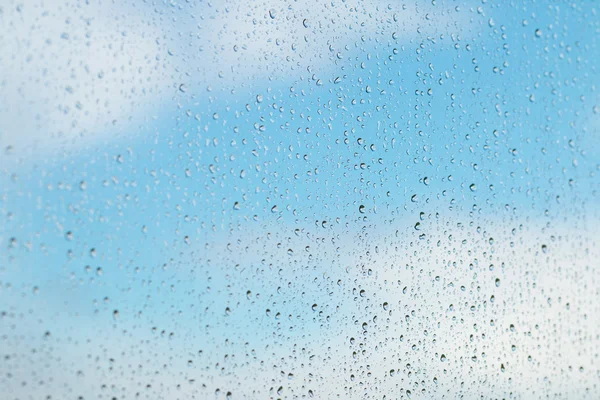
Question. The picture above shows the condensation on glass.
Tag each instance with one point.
(299, 199)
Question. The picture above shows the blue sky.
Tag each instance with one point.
(290, 172)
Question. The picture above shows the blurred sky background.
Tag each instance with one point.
(286, 199)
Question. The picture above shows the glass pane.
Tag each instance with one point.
(299, 199)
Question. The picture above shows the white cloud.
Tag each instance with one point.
(547, 293)
(76, 74)
(70, 74)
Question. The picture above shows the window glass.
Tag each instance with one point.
(299, 199)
